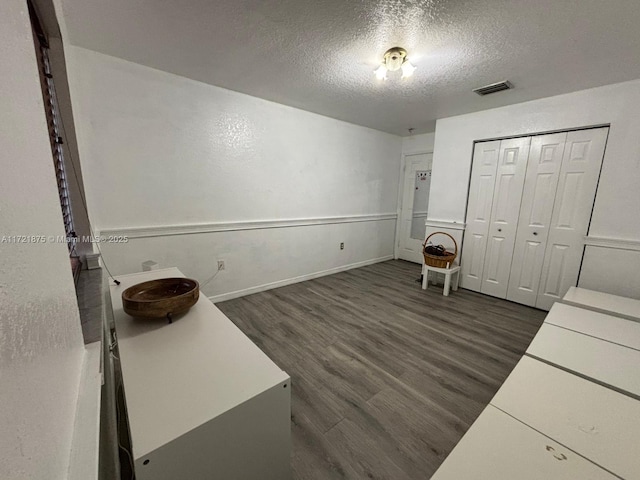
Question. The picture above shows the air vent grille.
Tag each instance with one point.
(493, 88)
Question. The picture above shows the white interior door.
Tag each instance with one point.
(483, 178)
(574, 199)
(507, 195)
(543, 170)
(415, 203)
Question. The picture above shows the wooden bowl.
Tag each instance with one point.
(160, 298)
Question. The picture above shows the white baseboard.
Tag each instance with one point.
(289, 281)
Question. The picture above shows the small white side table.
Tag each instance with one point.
(447, 272)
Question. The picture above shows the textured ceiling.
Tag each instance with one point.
(319, 55)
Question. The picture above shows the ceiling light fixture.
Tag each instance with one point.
(395, 59)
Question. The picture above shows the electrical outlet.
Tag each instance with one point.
(220, 265)
(341, 245)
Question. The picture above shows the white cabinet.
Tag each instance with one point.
(599, 423)
(530, 202)
(607, 363)
(624, 307)
(611, 328)
(499, 447)
(568, 410)
(202, 400)
(594, 345)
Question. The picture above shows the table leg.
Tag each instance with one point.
(447, 284)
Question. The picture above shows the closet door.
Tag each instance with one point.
(543, 170)
(575, 195)
(507, 194)
(483, 178)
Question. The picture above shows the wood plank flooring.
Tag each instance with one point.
(386, 377)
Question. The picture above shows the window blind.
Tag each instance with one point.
(55, 127)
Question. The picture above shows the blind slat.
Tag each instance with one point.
(55, 137)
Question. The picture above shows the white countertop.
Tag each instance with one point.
(598, 423)
(599, 325)
(610, 364)
(603, 302)
(178, 376)
(499, 447)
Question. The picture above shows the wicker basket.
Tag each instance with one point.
(445, 258)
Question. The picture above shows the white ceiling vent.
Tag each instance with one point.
(493, 88)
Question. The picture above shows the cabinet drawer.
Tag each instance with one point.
(605, 362)
(498, 447)
(598, 423)
(603, 302)
(600, 325)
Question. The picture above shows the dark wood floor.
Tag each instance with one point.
(386, 377)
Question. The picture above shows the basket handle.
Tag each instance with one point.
(441, 233)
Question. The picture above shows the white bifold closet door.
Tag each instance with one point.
(492, 216)
(483, 179)
(530, 203)
(575, 196)
(512, 166)
(543, 170)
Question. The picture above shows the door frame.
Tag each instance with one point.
(403, 166)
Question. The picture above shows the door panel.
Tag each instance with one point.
(568, 203)
(420, 203)
(543, 170)
(483, 174)
(492, 262)
(543, 192)
(504, 191)
(415, 200)
(475, 257)
(485, 197)
(510, 174)
(577, 183)
(558, 255)
(528, 280)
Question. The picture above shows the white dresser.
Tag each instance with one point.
(603, 302)
(203, 401)
(569, 410)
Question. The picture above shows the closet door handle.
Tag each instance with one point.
(535, 233)
(499, 229)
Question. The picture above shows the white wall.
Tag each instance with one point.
(618, 198)
(418, 143)
(40, 338)
(159, 150)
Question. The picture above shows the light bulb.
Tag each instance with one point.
(407, 69)
(381, 72)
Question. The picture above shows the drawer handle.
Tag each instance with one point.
(557, 456)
